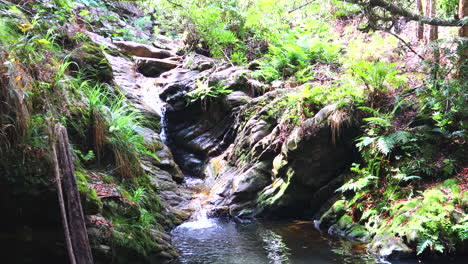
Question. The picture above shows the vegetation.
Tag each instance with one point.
(409, 100)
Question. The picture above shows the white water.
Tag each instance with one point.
(200, 219)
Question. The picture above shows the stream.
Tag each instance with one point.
(228, 241)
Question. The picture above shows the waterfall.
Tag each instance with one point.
(199, 219)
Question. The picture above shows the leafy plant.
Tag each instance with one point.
(206, 93)
(377, 76)
(138, 195)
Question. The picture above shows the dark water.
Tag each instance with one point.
(228, 242)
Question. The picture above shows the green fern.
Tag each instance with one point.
(423, 245)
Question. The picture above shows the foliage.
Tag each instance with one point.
(205, 93)
(446, 105)
(377, 76)
(294, 55)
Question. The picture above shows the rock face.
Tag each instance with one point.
(150, 67)
(142, 50)
(260, 174)
(293, 177)
(130, 76)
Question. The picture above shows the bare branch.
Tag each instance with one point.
(399, 11)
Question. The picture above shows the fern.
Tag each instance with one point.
(374, 112)
(378, 121)
(385, 145)
(423, 245)
(404, 177)
(400, 137)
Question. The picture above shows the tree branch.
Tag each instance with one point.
(397, 10)
(302, 6)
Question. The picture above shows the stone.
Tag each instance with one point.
(333, 214)
(237, 98)
(178, 83)
(220, 211)
(91, 61)
(234, 78)
(150, 67)
(389, 247)
(198, 62)
(164, 42)
(142, 50)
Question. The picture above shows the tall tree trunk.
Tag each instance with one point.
(431, 31)
(76, 223)
(420, 26)
(463, 33)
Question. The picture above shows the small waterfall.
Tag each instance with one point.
(200, 218)
(162, 113)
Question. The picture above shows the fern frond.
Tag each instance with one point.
(364, 142)
(379, 121)
(371, 110)
(404, 177)
(423, 245)
(385, 145)
(400, 137)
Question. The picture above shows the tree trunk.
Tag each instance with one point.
(76, 223)
(63, 210)
(431, 31)
(463, 33)
(420, 26)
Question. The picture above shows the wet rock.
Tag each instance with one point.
(142, 50)
(198, 62)
(390, 247)
(220, 211)
(178, 83)
(299, 176)
(234, 78)
(333, 214)
(237, 98)
(150, 67)
(164, 158)
(347, 228)
(251, 181)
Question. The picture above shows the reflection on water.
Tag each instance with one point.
(229, 242)
(277, 251)
(298, 242)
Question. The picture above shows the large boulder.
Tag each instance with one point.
(234, 78)
(296, 176)
(151, 67)
(142, 50)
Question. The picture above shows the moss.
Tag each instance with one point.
(336, 211)
(345, 222)
(358, 232)
(464, 201)
(91, 202)
(92, 63)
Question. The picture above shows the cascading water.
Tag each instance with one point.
(200, 219)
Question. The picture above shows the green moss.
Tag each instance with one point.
(336, 211)
(92, 63)
(464, 201)
(358, 232)
(344, 222)
(91, 202)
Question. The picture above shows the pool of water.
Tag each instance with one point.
(230, 242)
(223, 241)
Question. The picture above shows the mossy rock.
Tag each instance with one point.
(331, 216)
(358, 232)
(92, 63)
